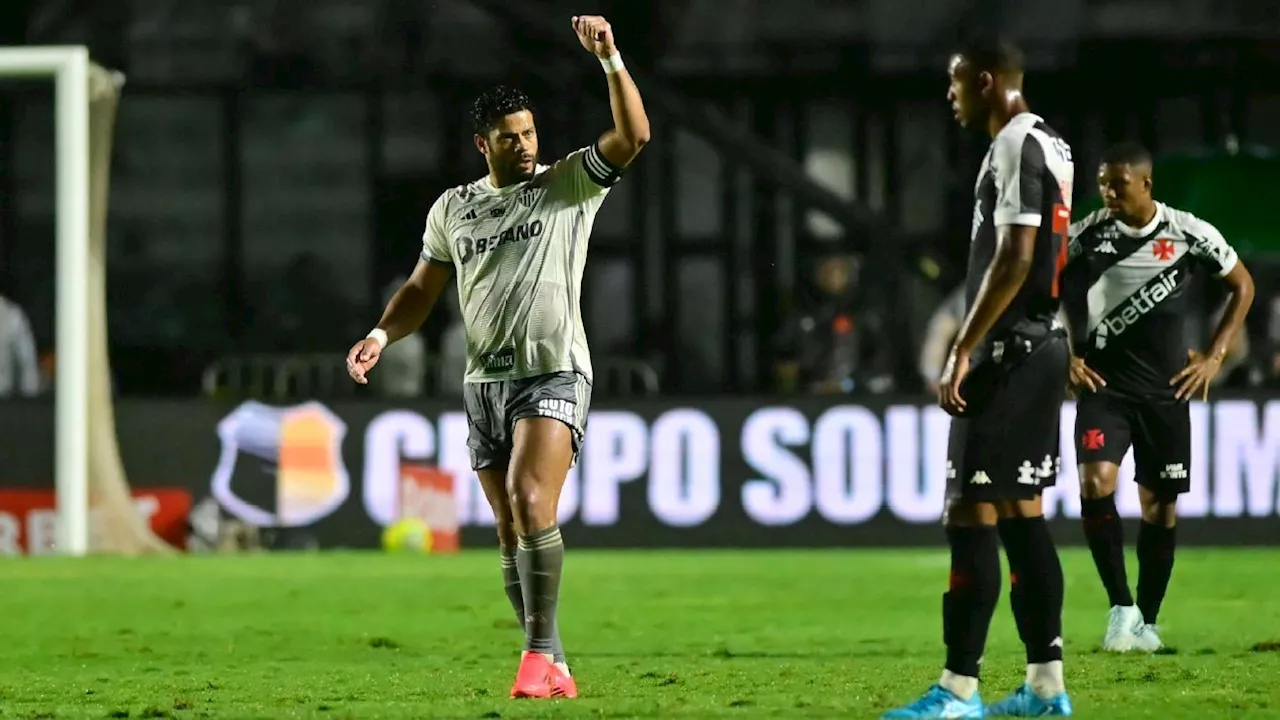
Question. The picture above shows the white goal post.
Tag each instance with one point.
(69, 68)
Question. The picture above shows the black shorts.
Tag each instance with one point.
(1006, 445)
(1108, 423)
(493, 408)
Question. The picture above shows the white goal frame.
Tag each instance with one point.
(68, 66)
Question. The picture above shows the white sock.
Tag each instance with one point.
(1045, 679)
(563, 667)
(962, 686)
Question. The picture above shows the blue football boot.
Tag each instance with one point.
(938, 702)
(1025, 703)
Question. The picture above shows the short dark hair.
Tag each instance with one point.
(991, 53)
(1128, 152)
(496, 103)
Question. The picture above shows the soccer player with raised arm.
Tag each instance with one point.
(517, 241)
(1004, 382)
(1135, 372)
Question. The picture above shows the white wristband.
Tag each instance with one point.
(379, 336)
(612, 64)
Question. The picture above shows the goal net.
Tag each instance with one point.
(95, 508)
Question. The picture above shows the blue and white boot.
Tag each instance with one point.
(938, 702)
(1025, 703)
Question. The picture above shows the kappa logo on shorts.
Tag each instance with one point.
(1174, 471)
(980, 478)
(1027, 473)
(1048, 467)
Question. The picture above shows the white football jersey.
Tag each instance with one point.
(519, 253)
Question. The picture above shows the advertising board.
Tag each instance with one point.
(705, 473)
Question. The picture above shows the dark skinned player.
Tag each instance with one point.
(1135, 372)
(1004, 382)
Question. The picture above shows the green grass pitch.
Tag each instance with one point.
(819, 634)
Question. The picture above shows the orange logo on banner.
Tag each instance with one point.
(300, 448)
(309, 468)
(426, 494)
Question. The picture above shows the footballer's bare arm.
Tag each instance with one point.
(412, 303)
(404, 314)
(630, 133)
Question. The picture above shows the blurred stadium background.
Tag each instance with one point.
(790, 244)
(768, 295)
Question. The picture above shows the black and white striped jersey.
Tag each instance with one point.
(1138, 284)
(1025, 179)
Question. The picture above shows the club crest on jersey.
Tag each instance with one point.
(529, 197)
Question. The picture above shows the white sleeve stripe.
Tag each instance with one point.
(1009, 217)
(598, 168)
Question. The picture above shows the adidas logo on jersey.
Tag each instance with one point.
(1107, 247)
(1146, 300)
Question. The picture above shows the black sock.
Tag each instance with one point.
(1036, 586)
(1155, 564)
(1105, 534)
(540, 559)
(971, 597)
(511, 584)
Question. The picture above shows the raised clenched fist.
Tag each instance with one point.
(595, 34)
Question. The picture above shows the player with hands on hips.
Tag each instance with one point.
(1132, 270)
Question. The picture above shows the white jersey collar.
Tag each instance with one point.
(1147, 229)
